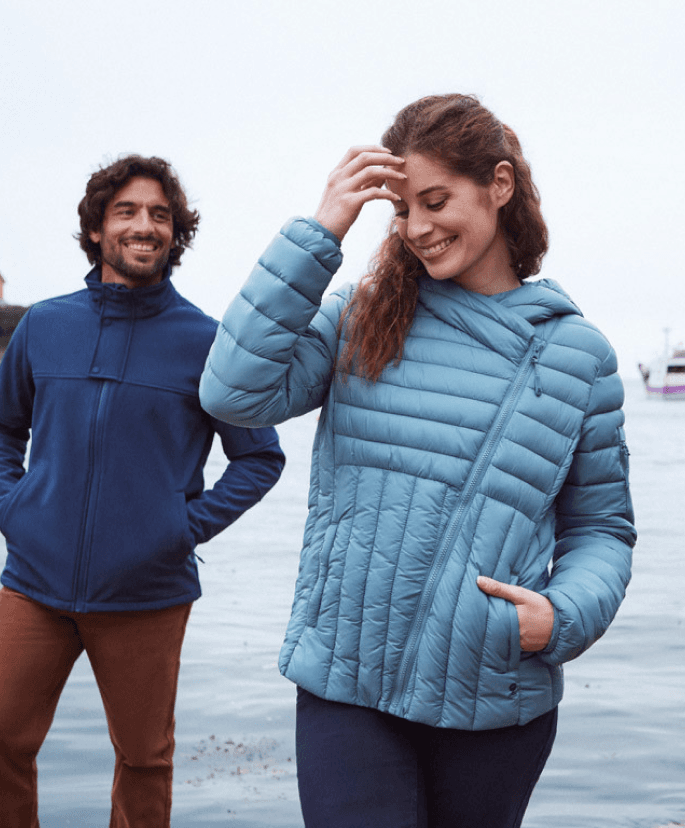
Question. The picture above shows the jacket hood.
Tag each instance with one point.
(502, 322)
(538, 301)
(115, 301)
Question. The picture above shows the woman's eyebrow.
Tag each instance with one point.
(432, 189)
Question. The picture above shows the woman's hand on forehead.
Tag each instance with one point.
(360, 177)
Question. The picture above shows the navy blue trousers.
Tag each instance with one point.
(359, 768)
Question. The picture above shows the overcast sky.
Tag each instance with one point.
(255, 102)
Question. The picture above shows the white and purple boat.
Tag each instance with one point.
(665, 376)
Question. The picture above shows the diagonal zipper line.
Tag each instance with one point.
(454, 526)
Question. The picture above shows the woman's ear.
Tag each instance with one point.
(503, 183)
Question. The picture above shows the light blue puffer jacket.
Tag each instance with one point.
(495, 447)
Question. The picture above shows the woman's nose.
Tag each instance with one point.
(419, 224)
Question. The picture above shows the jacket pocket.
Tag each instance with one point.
(184, 533)
(9, 502)
(316, 596)
(503, 640)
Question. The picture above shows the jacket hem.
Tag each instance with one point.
(99, 606)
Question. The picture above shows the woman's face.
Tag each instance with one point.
(451, 223)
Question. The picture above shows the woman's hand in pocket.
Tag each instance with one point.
(535, 612)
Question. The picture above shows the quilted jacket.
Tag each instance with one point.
(494, 447)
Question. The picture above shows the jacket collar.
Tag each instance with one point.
(115, 301)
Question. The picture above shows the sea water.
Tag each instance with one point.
(619, 758)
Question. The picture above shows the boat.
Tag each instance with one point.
(665, 376)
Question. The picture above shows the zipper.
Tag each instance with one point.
(537, 385)
(81, 574)
(480, 464)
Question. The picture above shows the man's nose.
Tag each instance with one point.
(142, 223)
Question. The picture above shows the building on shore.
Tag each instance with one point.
(9, 318)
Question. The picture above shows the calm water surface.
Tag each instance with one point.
(619, 758)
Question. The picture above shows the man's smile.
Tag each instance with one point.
(140, 246)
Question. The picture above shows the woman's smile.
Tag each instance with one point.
(436, 249)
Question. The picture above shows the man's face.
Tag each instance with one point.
(136, 234)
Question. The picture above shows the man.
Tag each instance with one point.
(101, 529)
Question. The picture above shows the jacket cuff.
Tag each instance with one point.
(326, 232)
(554, 638)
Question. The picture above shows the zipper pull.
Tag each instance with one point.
(537, 385)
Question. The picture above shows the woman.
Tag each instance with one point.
(470, 526)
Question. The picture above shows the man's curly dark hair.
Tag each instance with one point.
(104, 183)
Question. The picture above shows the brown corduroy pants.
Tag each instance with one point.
(135, 658)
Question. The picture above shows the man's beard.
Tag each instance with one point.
(136, 271)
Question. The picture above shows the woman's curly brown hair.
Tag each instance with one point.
(466, 138)
(104, 183)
